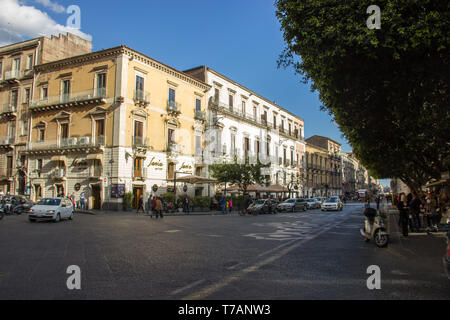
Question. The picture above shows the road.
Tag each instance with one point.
(304, 255)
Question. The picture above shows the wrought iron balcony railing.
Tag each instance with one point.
(76, 97)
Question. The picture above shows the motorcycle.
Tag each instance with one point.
(2, 212)
(374, 228)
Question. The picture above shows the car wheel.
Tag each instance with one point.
(293, 209)
(71, 216)
(58, 218)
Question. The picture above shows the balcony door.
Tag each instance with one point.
(138, 168)
(100, 132)
(139, 88)
(66, 90)
(138, 133)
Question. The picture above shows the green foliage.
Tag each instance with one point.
(242, 175)
(128, 198)
(201, 202)
(168, 197)
(387, 89)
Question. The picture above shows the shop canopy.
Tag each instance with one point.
(194, 179)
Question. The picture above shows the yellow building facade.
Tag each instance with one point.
(110, 122)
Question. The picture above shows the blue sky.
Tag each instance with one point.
(241, 39)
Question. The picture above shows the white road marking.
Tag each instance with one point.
(196, 283)
(172, 231)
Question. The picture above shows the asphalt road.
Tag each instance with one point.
(304, 255)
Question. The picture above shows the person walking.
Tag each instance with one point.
(158, 208)
(223, 204)
(378, 200)
(153, 206)
(403, 210)
(140, 205)
(230, 206)
(149, 206)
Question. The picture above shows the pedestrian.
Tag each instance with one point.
(158, 208)
(149, 206)
(82, 199)
(403, 211)
(247, 202)
(223, 204)
(230, 206)
(414, 207)
(378, 200)
(269, 205)
(186, 205)
(140, 205)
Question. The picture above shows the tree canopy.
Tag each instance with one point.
(388, 88)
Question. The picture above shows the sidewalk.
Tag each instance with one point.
(133, 212)
(420, 246)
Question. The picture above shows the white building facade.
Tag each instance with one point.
(242, 124)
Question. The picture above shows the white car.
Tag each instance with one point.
(313, 203)
(54, 209)
(334, 204)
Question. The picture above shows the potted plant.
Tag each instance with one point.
(128, 201)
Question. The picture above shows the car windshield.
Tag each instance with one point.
(333, 200)
(310, 200)
(259, 202)
(289, 201)
(49, 202)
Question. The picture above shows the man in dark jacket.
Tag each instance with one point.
(414, 207)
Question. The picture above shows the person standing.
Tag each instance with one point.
(153, 206)
(403, 210)
(186, 205)
(158, 208)
(149, 206)
(378, 200)
(82, 199)
(414, 206)
(230, 206)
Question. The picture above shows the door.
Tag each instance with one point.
(96, 199)
(59, 190)
(137, 192)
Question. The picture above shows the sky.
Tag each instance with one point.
(240, 39)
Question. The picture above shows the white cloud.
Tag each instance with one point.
(55, 7)
(19, 22)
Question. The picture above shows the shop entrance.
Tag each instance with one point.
(137, 192)
(96, 198)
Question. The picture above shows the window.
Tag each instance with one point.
(243, 108)
(12, 130)
(216, 95)
(44, 93)
(138, 167)
(64, 130)
(233, 143)
(170, 171)
(1, 69)
(41, 134)
(255, 112)
(231, 101)
(292, 157)
(264, 117)
(17, 64)
(171, 136)
(138, 133)
(100, 128)
(30, 62)
(268, 148)
(290, 129)
(139, 88)
(284, 156)
(198, 105)
(246, 144)
(14, 98)
(101, 85)
(25, 127)
(171, 95)
(27, 95)
(39, 164)
(274, 122)
(66, 90)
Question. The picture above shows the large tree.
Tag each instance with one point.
(242, 175)
(388, 88)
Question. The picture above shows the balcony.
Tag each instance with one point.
(6, 174)
(199, 115)
(7, 141)
(140, 142)
(58, 174)
(94, 96)
(173, 148)
(73, 143)
(173, 108)
(237, 113)
(141, 98)
(8, 110)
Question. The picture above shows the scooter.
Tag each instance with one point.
(374, 228)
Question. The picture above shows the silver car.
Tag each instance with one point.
(53, 209)
(332, 204)
(313, 204)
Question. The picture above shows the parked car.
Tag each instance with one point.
(54, 209)
(261, 206)
(293, 205)
(333, 204)
(320, 199)
(313, 204)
